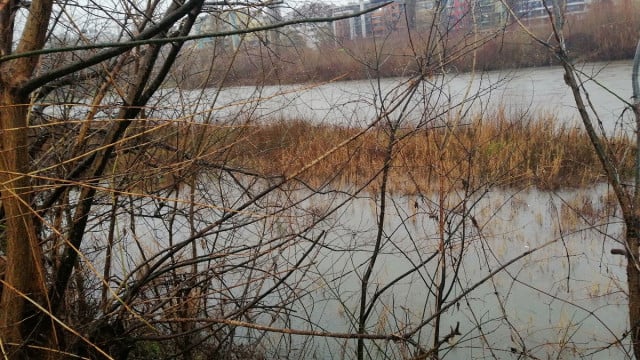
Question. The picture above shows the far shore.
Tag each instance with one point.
(593, 37)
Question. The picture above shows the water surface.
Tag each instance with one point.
(533, 90)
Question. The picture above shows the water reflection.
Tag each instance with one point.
(564, 300)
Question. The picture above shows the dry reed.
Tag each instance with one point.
(501, 150)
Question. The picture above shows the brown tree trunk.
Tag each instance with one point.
(633, 223)
(633, 281)
(24, 280)
(629, 204)
(24, 276)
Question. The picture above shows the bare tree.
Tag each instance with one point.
(627, 195)
(142, 220)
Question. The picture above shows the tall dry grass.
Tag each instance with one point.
(268, 64)
(503, 150)
(605, 33)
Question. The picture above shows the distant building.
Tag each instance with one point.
(314, 35)
(577, 6)
(382, 21)
(388, 19)
(450, 14)
(536, 9)
(531, 9)
(457, 14)
(426, 13)
(222, 20)
(491, 14)
(353, 27)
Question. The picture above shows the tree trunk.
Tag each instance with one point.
(633, 227)
(24, 276)
(24, 280)
(633, 281)
(629, 203)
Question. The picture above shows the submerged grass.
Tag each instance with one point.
(499, 150)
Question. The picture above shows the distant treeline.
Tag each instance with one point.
(605, 33)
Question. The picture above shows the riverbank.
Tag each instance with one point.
(606, 33)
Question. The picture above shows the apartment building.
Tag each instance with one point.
(354, 27)
(388, 19)
(491, 13)
(537, 9)
(382, 21)
(455, 14)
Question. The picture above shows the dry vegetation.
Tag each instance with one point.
(605, 33)
(499, 150)
(141, 222)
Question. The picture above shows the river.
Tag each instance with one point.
(564, 300)
(531, 90)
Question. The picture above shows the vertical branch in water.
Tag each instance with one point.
(106, 272)
(635, 84)
(189, 291)
(364, 285)
(442, 263)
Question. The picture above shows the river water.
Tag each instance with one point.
(564, 300)
(533, 90)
